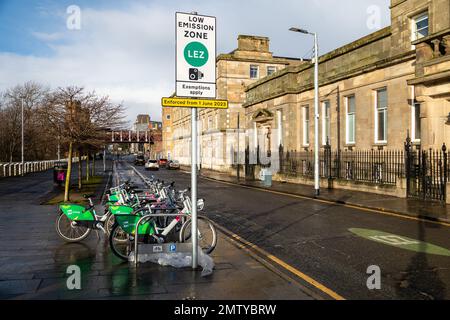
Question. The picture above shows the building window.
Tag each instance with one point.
(381, 116)
(326, 123)
(305, 125)
(415, 122)
(253, 72)
(350, 120)
(280, 127)
(420, 26)
(270, 70)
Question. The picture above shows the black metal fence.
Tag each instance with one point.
(372, 166)
(426, 171)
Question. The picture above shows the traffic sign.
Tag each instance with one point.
(194, 103)
(195, 55)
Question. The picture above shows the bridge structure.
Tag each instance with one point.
(130, 136)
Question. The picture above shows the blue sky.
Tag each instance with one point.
(125, 49)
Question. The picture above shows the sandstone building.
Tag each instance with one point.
(374, 93)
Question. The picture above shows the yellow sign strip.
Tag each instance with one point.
(194, 103)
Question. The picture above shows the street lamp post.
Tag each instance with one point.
(316, 107)
(22, 171)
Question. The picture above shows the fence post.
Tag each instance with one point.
(445, 168)
(327, 163)
(408, 164)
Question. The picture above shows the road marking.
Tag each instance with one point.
(400, 241)
(387, 213)
(248, 245)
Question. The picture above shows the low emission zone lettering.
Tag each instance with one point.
(194, 103)
(195, 56)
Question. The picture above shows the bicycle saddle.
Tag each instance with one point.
(90, 195)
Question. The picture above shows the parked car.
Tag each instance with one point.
(139, 160)
(151, 165)
(162, 162)
(173, 164)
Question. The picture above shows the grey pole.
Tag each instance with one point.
(194, 233)
(104, 158)
(316, 116)
(22, 139)
(316, 107)
(238, 158)
(59, 148)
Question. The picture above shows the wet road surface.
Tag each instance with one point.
(317, 239)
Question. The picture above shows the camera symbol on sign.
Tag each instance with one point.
(195, 74)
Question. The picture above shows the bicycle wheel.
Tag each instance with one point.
(69, 231)
(207, 235)
(119, 242)
(109, 223)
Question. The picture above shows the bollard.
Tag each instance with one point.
(9, 167)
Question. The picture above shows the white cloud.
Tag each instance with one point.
(47, 37)
(128, 54)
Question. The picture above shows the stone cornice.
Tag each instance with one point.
(275, 60)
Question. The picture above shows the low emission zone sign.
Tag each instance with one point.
(195, 55)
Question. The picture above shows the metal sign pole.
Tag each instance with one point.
(194, 232)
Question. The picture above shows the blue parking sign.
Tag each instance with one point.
(173, 248)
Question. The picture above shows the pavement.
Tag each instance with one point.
(34, 260)
(430, 210)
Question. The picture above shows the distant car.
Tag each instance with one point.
(140, 160)
(162, 162)
(173, 164)
(151, 165)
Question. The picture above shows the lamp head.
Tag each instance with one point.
(298, 30)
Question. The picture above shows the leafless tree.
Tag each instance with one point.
(80, 119)
(39, 143)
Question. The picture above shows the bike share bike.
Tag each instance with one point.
(75, 222)
(167, 218)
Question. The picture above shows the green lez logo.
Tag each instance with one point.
(196, 54)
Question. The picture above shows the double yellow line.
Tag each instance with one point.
(263, 253)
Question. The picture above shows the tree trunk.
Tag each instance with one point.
(87, 166)
(80, 171)
(93, 165)
(69, 172)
